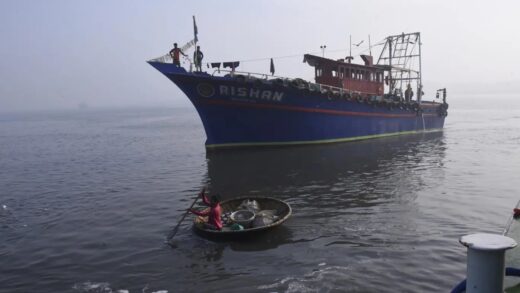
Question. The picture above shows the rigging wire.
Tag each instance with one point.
(365, 49)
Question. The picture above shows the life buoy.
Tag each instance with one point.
(329, 94)
(419, 111)
(298, 83)
(240, 78)
(278, 82)
(442, 110)
(258, 83)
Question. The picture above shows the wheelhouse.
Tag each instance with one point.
(367, 79)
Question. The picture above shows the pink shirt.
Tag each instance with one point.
(214, 213)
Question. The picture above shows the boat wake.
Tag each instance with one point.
(320, 279)
(104, 287)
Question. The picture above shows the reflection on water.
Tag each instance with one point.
(354, 171)
(264, 241)
(92, 212)
(354, 206)
(213, 250)
(330, 184)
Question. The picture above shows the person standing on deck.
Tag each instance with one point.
(408, 94)
(214, 212)
(197, 58)
(175, 54)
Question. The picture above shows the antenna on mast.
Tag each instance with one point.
(350, 52)
(349, 57)
(369, 46)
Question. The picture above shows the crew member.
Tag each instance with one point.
(197, 58)
(214, 212)
(175, 54)
(408, 94)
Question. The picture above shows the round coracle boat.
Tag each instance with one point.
(244, 216)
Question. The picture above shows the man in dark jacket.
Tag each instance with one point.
(408, 94)
(197, 58)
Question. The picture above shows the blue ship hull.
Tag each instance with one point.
(236, 112)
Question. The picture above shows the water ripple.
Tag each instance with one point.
(88, 199)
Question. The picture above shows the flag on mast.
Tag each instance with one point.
(195, 30)
(272, 67)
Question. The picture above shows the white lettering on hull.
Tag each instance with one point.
(224, 90)
(244, 92)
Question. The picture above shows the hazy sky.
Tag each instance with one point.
(57, 54)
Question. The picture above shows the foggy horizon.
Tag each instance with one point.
(61, 54)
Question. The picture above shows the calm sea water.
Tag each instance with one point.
(88, 197)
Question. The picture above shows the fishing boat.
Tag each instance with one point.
(346, 101)
(275, 207)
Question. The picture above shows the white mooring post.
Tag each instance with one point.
(486, 261)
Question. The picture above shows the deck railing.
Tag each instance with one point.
(270, 78)
(163, 59)
(266, 77)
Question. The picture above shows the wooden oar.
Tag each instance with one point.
(174, 231)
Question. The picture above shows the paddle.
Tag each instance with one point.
(513, 216)
(174, 231)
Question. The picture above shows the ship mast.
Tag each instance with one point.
(419, 90)
(401, 56)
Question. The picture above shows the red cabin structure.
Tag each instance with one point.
(367, 79)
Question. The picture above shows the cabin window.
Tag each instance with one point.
(319, 72)
(334, 73)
